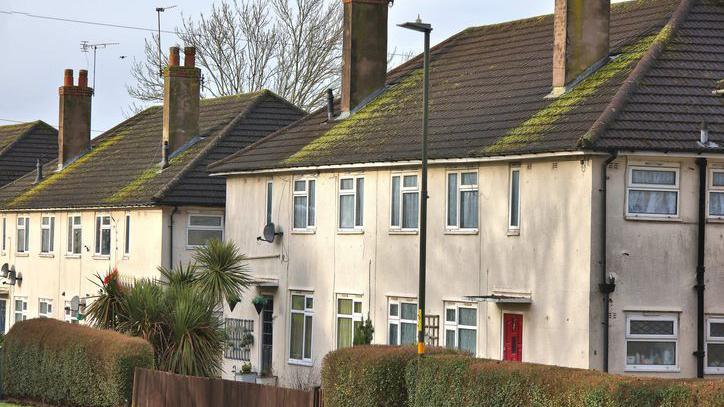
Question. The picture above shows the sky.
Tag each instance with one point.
(37, 50)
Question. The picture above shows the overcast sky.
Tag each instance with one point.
(37, 50)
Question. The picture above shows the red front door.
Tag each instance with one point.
(512, 337)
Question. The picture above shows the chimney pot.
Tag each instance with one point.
(68, 77)
(173, 56)
(83, 78)
(189, 57)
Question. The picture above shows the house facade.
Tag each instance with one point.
(135, 198)
(574, 201)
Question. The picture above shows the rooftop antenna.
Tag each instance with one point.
(85, 46)
(160, 10)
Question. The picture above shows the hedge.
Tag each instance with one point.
(57, 363)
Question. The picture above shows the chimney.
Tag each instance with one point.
(181, 92)
(364, 50)
(74, 117)
(581, 39)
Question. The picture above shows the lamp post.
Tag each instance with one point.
(425, 29)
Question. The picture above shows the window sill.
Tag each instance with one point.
(125, 257)
(22, 254)
(645, 218)
(101, 257)
(46, 255)
(513, 232)
(72, 256)
(295, 362)
(303, 231)
(350, 231)
(651, 369)
(714, 371)
(403, 232)
(716, 219)
(461, 231)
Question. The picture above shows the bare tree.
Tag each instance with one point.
(292, 47)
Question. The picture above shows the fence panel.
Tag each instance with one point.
(153, 388)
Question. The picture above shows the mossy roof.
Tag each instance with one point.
(21, 145)
(488, 95)
(123, 166)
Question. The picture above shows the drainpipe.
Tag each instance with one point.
(606, 287)
(700, 285)
(170, 238)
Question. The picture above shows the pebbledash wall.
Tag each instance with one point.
(553, 259)
(57, 276)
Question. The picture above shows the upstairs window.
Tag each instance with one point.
(514, 199)
(402, 322)
(103, 235)
(302, 313)
(349, 318)
(304, 204)
(715, 345)
(351, 203)
(127, 239)
(462, 200)
(74, 234)
(23, 244)
(653, 192)
(651, 342)
(202, 228)
(405, 202)
(461, 328)
(47, 234)
(45, 308)
(716, 194)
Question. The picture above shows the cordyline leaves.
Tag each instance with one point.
(178, 314)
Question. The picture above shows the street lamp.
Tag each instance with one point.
(425, 29)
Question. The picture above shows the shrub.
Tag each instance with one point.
(53, 362)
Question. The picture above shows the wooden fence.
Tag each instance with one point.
(152, 388)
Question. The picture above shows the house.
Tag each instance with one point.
(22, 145)
(575, 196)
(136, 197)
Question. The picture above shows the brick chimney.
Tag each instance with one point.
(181, 92)
(364, 50)
(74, 117)
(581, 39)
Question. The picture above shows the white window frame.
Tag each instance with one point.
(397, 319)
(712, 190)
(23, 311)
(48, 307)
(354, 316)
(459, 189)
(67, 314)
(308, 194)
(190, 227)
(269, 201)
(511, 226)
(48, 228)
(99, 229)
(630, 186)
(127, 236)
(719, 319)
(358, 205)
(650, 316)
(456, 325)
(400, 200)
(306, 312)
(72, 227)
(25, 227)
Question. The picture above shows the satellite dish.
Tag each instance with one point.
(270, 232)
(5, 270)
(74, 305)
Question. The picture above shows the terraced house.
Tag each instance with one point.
(576, 184)
(136, 197)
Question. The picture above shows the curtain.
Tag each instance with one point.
(452, 199)
(308, 337)
(468, 316)
(466, 340)
(312, 216)
(652, 202)
(450, 338)
(395, 214)
(346, 211)
(295, 345)
(393, 334)
(300, 212)
(514, 198)
(716, 203)
(408, 333)
(359, 219)
(344, 332)
(410, 210)
(469, 209)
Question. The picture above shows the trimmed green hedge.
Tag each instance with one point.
(393, 376)
(54, 362)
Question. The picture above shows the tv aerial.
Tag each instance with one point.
(160, 10)
(86, 46)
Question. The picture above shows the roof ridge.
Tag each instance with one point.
(630, 84)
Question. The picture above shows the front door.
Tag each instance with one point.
(512, 337)
(267, 335)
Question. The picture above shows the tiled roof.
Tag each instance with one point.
(488, 95)
(21, 145)
(123, 166)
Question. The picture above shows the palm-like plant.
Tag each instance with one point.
(107, 306)
(221, 274)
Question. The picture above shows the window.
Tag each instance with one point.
(269, 190)
(21, 309)
(461, 327)
(70, 315)
(103, 235)
(127, 240)
(74, 235)
(304, 202)
(45, 308)
(716, 194)
(405, 202)
(715, 345)
(462, 200)
(651, 342)
(202, 228)
(300, 343)
(23, 234)
(47, 234)
(514, 199)
(349, 317)
(4, 234)
(351, 202)
(402, 324)
(653, 192)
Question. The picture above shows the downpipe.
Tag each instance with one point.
(607, 286)
(700, 285)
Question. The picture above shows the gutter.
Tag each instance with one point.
(700, 268)
(607, 286)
